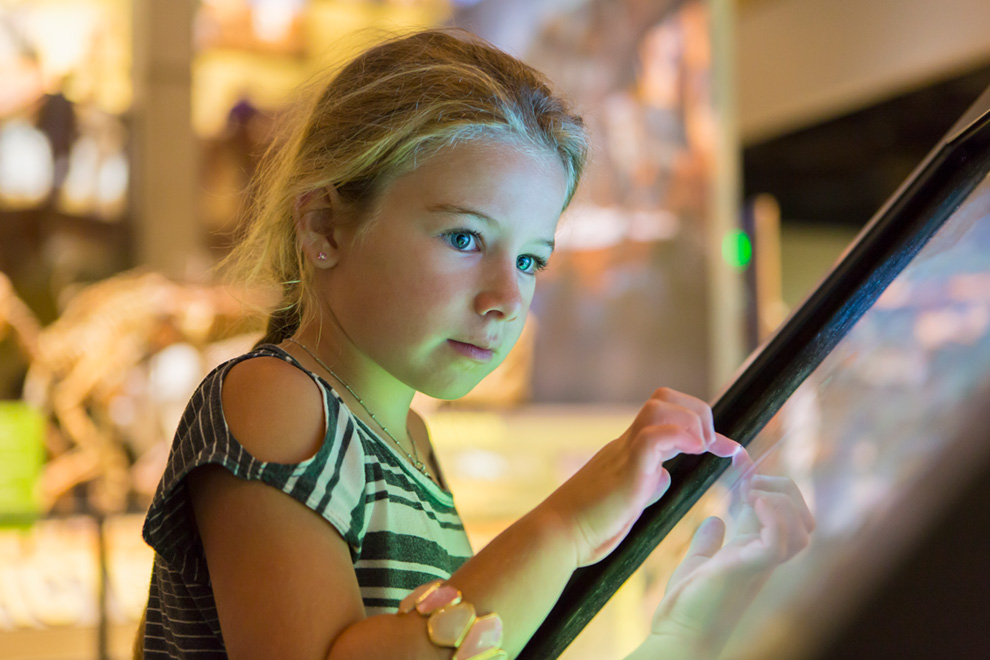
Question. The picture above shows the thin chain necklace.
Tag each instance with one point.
(414, 458)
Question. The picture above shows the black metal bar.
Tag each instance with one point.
(888, 243)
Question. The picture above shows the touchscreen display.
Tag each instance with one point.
(865, 435)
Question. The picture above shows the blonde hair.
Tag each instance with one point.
(393, 106)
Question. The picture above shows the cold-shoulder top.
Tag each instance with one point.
(402, 528)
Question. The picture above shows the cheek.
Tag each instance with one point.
(406, 302)
(519, 324)
(417, 287)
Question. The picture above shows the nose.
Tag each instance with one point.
(500, 295)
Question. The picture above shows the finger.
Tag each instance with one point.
(743, 463)
(664, 441)
(787, 487)
(739, 477)
(694, 404)
(783, 531)
(773, 545)
(708, 538)
(747, 523)
(725, 447)
(658, 411)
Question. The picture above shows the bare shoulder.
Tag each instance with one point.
(274, 409)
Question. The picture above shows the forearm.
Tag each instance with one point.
(519, 574)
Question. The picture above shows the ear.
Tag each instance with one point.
(313, 213)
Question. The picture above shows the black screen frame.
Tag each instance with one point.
(895, 234)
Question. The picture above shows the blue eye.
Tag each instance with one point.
(531, 264)
(462, 239)
(467, 240)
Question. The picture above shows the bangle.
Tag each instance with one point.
(453, 623)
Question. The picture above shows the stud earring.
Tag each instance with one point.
(322, 256)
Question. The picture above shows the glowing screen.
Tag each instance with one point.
(865, 434)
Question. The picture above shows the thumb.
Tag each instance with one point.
(708, 538)
(663, 483)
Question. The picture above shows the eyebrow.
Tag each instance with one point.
(487, 219)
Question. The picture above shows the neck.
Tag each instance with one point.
(359, 381)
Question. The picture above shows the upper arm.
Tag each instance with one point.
(282, 576)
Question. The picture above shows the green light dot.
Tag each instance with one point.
(737, 250)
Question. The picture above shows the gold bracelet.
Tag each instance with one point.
(453, 623)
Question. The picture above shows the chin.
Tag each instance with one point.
(452, 390)
(449, 393)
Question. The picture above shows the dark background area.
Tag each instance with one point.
(840, 172)
(934, 604)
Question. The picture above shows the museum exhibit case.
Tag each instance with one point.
(903, 326)
(872, 397)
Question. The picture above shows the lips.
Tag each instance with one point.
(483, 345)
(483, 352)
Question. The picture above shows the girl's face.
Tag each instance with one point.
(435, 292)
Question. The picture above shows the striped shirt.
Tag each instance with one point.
(401, 527)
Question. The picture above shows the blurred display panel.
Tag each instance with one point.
(65, 167)
(112, 376)
(50, 587)
(498, 465)
(22, 455)
(251, 58)
(261, 51)
(42, 41)
(66, 68)
(632, 263)
(624, 306)
(501, 465)
(877, 428)
(273, 26)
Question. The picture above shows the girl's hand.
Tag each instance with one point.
(601, 502)
(711, 588)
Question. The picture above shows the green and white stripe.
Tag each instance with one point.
(402, 528)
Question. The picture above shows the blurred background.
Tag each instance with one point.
(739, 146)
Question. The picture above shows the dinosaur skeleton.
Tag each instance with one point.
(90, 372)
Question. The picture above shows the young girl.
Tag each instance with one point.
(303, 513)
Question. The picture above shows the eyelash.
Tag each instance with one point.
(538, 262)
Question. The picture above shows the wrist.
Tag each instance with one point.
(554, 534)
